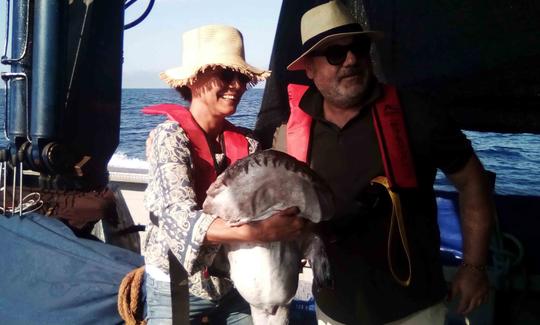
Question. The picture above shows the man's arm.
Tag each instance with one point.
(477, 210)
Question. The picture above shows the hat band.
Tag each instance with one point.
(354, 27)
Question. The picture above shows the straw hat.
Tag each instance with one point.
(325, 23)
(209, 47)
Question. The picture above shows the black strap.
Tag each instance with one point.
(179, 291)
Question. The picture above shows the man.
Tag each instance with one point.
(352, 129)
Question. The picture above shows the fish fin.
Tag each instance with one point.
(315, 252)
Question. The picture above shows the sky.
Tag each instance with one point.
(155, 44)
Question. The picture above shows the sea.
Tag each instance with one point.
(515, 158)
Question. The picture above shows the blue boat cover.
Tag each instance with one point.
(450, 227)
(49, 276)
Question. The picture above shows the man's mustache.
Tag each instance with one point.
(349, 72)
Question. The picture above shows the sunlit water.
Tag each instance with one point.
(515, 158)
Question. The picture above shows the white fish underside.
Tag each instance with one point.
(254, 188)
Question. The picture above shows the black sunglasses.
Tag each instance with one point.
(227, 76)
(336, 54)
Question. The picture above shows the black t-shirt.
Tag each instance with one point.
(348, 159)
(333, 155)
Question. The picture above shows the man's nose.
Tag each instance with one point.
(350, 59)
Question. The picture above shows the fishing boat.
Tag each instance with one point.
(62, 123)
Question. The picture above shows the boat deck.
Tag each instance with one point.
(515, 301)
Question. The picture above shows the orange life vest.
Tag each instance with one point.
(204, 171)
(389, 126)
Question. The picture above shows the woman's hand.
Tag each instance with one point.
(282, 225)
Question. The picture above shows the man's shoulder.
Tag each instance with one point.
(279, 141)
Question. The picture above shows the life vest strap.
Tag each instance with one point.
(396, 220)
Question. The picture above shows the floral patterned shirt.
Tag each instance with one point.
(170, 196)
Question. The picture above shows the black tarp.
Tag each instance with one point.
(481, 59)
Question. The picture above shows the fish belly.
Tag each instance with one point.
(266, 275)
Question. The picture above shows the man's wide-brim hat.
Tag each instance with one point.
(325, 23)
(209, 47)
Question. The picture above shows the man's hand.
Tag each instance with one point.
(471, 286)
(283, 225)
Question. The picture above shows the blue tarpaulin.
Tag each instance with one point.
(450, 227)
(49, 276)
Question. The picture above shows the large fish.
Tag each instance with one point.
(254, 188)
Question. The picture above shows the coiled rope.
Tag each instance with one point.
(130, 307)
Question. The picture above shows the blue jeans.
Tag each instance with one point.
(231, 309)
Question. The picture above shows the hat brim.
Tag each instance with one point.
(298, 64)
(186, 75)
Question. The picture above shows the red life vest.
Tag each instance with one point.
(389, 127)
(204, 172)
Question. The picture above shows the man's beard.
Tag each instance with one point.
(350, 99)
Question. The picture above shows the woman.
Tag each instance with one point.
(185, 154)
